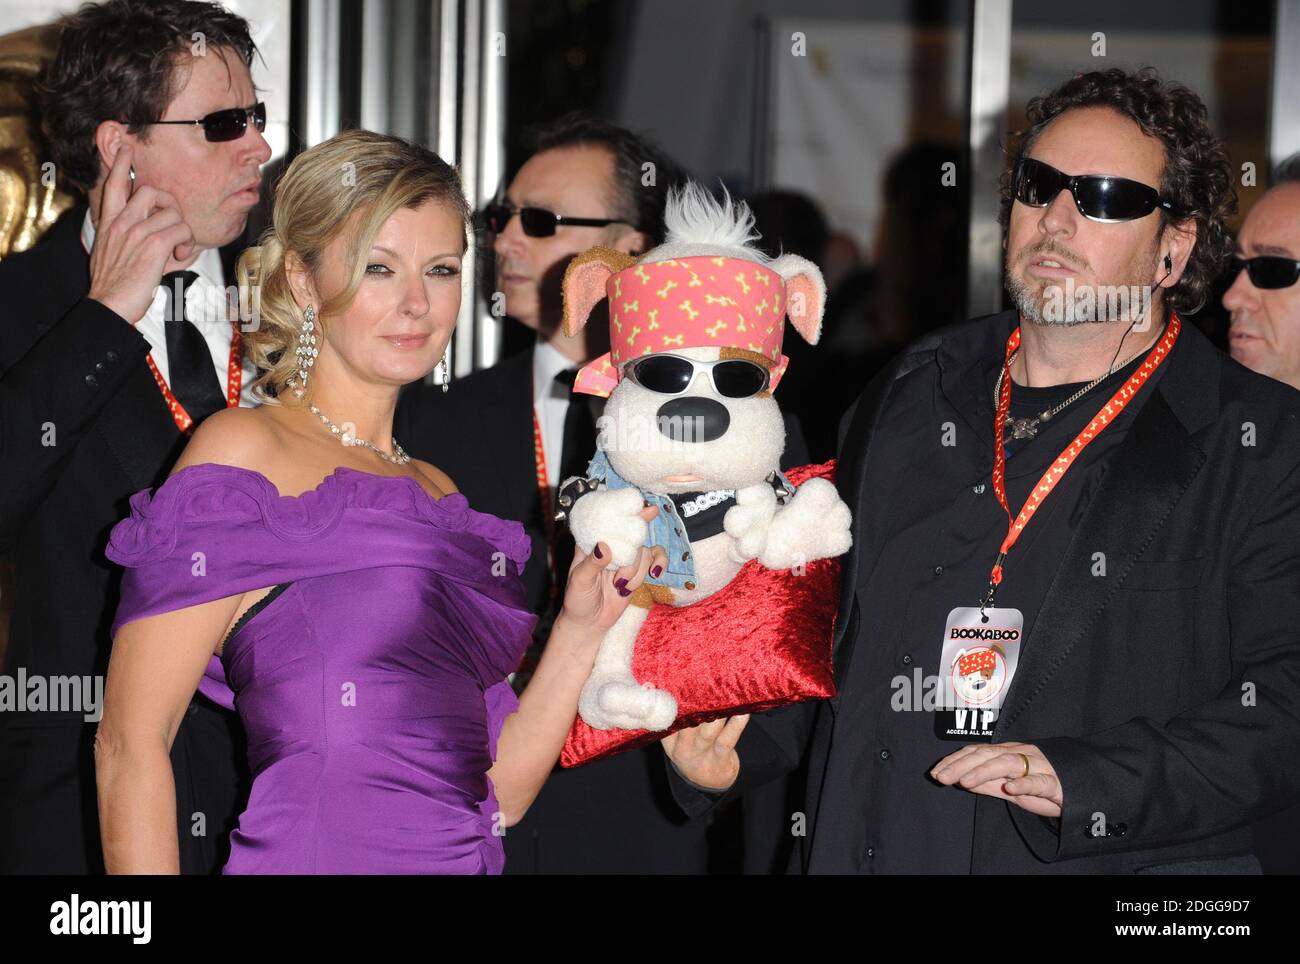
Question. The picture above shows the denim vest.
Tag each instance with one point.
(666, 529)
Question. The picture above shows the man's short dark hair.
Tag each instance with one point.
(1287, 171)
(1197, 175)
(638, 203)
(116, 61)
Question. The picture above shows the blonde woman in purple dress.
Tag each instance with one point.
(343, 597)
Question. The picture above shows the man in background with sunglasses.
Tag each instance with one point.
(116, 341)
(1265, 298)
(1069, 634)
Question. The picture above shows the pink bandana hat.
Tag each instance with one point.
(693, 302)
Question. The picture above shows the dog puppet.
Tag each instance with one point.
(691, 425)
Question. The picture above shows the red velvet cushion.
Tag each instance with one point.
(763, 641)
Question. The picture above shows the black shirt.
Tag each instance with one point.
(931, 463)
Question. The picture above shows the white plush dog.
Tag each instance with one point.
(693, 438)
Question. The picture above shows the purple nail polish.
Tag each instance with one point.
(656, 571)
(620, 583)
(598, 553)
(624, 592)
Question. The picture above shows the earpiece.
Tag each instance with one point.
(1169, 264)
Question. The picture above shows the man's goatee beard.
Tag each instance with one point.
(1030, 304)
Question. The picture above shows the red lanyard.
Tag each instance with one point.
(234, 381)
(548, 511)
(1056, 471)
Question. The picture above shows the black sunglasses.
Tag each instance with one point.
(1267, 271)
(228, 125)
(673, 374)
(1099, 197)
(536, 222)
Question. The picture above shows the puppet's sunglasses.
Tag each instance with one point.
(228, 125)
(1099, 197)
(536, 222)
(1267, 271)
(673, 374)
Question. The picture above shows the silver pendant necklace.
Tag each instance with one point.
(350, 439)
(1027, 428)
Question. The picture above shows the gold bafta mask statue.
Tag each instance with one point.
(32, 194)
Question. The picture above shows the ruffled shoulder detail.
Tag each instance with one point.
(210, 494)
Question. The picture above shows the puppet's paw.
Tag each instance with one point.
(617, 701)
(815, 524)
(611, 516)
(748, 521)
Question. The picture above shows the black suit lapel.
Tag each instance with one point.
(1147, 476)
(851, 467)
(68, 278)
(850, 480)
(140, 431)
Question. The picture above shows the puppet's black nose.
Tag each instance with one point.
(693, 419)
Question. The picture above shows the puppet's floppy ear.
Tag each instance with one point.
(584, 283)
(805, 294)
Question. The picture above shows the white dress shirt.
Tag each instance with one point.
(207, 306)
(551, 403)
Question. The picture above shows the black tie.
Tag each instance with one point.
(579, 443)
(189, 362)
(578, 447)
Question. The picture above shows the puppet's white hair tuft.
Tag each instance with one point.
(694, 216)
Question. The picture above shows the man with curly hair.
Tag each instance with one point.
(116, 342)
(1069, 635)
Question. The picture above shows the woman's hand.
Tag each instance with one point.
(596, 596)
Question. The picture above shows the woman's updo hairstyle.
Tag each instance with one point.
(354, 182)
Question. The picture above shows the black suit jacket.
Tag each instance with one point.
(614, 815)
(1198, 516)
(82, 427)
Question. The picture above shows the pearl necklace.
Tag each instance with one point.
(350, 439)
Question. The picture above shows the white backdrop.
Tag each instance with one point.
(838, 114)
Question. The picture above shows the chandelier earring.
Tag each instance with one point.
(306, 350)
(444, 372)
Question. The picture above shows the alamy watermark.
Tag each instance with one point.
(216, 305)
(22, 693)
(130, 918)
(1076, 304)
(663, 433)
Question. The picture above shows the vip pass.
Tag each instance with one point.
(706, 500)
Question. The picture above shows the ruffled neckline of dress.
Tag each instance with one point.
(215, 493)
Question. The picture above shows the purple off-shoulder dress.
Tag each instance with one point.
(373, 688)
